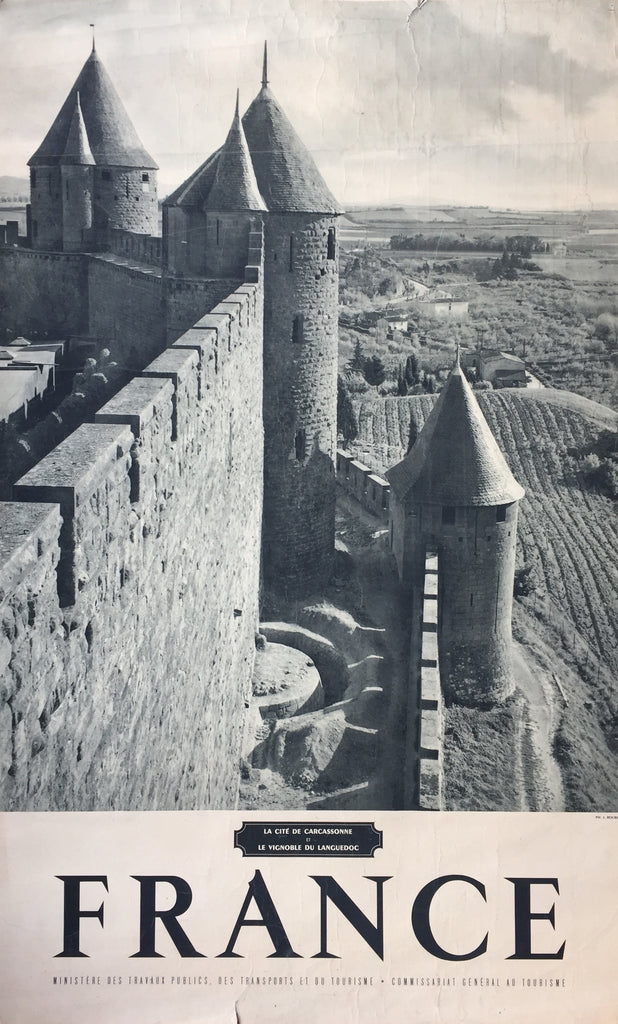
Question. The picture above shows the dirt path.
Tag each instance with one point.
(542, 782)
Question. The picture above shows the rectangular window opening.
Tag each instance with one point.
(298, 329)
(291, 252)
(501, 513)
(300, 445)
(331, 244)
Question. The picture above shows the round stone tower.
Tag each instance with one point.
(123, 174)
(454, 495)
(76, 172)
(264, 167)
(300, 351)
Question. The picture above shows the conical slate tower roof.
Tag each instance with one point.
(234, 186)
(77, 149)
(287, 178)
(113, 139)
(286, 173)
(456, 460)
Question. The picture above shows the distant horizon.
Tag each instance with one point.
(412, 204)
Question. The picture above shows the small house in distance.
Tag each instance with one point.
(502, 369)
(444, 306)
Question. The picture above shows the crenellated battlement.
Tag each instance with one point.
(128, 615)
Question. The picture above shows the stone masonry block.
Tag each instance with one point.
(69, 475)
(177, 365)
(25, 529)
(431, 584)
(77, 465)
(430, 612)
(217, 321)
(430, 687)
(429, 651)
(430, 734)
(136, 403)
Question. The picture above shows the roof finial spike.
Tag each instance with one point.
(92, 27)
(265, 66)
(457, 353)
(236, 111)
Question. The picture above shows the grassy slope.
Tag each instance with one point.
(570, 533)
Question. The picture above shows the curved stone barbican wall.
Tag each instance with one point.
(128, 616)
(285, 682)
(300, 401)
(329, 661)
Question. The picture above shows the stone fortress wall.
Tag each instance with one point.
(116, 298)
(127, 616)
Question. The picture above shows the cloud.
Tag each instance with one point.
(486, 67)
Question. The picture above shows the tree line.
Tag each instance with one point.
(522, 245)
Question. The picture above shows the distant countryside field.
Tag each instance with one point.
(557, 308)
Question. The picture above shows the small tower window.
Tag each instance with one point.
(145, 177)
(448, 515)
(218, 231)
(300, 444)
(298, 329)
(501, 513)
(331, 244)
(291, 252)
(66, 189)
(106, 175)
(126, 188)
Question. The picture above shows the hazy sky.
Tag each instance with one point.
(512, 103)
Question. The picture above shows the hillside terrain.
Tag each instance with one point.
(568, 622)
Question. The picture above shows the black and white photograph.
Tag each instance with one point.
(308, 456)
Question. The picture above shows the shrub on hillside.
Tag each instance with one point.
(347, 424)
(525, 580)
(374, 371)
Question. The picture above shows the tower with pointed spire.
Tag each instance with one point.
(454, 495)
(76, 171)
(264, 168)
(91, 173)
(300, 351)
